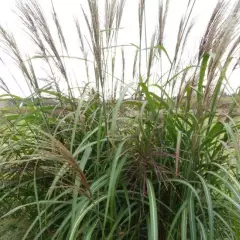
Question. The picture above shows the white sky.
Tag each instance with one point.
(67, 9)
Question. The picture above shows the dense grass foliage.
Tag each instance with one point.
(164, 164)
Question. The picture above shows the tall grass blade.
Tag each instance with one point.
(153, 211)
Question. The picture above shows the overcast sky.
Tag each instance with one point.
(68, 9)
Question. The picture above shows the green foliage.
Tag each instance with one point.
(161, 165)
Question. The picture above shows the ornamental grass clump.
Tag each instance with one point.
(153, 158)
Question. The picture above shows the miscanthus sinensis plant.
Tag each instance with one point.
(163, 163)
